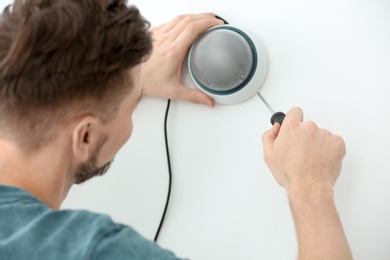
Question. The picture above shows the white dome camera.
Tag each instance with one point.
(228, 64)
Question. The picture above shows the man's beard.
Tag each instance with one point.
(89, 169)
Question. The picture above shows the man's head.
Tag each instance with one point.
(70, 68)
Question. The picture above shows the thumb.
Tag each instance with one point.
(269, 138)
(194, 96)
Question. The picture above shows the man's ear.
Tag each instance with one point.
(85, 137)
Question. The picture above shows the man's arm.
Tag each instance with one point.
(306, 161)
(319, 229)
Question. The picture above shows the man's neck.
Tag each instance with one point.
(44, 173)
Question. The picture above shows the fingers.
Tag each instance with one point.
(193, 30)
(166, 27)
(269, 138)
(294, 115)
(177, 25)
(161, 72)
(194, 96)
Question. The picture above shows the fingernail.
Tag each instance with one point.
(208, 103)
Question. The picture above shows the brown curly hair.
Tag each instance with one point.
(58, 57)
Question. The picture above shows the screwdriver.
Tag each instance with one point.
(277, 117)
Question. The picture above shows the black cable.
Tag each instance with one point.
(169, 172)
(220, 18)
(169, 162)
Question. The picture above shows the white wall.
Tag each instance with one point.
(332, 58)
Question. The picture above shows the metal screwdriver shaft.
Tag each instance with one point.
(266, 103)
(277, 117)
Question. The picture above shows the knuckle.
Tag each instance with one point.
(180, 17)
(189, 19)
(185, 19)
(171, 51)
(297, 109)
(191, 27)
(310, 126)
(340, 143)
(326, 132)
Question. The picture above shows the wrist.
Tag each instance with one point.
(315, 195)
(319, 229)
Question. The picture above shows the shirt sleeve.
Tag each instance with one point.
(122, 242)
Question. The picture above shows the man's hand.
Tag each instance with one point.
(301, 155)
(161, 72)
(306, 161)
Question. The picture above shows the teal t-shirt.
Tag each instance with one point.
(31, 230)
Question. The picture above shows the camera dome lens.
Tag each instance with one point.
(222, 60)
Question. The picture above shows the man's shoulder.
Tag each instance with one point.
(79, 223)
(29, 228)
(58, 234)
(102, 238)
(80, 231)
(82, 220)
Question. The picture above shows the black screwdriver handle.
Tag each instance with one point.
(278, 117)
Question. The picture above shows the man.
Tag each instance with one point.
(70, 79)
